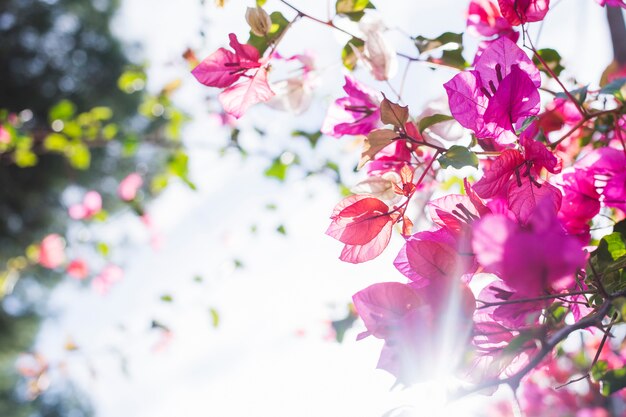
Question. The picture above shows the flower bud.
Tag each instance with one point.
(259, 21)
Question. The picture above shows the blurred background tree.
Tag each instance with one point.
(79, 117)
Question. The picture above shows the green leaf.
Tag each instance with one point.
(615, 88)
(353, 9)
(598, 370)
(348, 57)
(552, 59)
(215, 317)
(343, 325)
(580, 94)
(281, 229)
(25, 158)
(429, 121)
(277, 170)
(132, 81)
(448, 41)
(453, 59)
(63, 110)
(312, 137)
(261, 43)
(78, 155)
(261, 3)
(55, 142)
(458, 157)
(166, 298)
(613, 381)
(103, 249)
(101, 113)
(393, 113)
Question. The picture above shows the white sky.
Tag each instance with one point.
(255, 364)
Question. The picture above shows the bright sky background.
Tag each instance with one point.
(269, 355)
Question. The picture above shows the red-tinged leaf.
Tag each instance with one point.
(406, 174)
(238, 98)
(498, 174)
(393, 114)
(524, 200)
(361, 253)
(375, 142)
(358, 219)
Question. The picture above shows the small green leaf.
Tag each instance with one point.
(78, 155)
(458, 157)
(353, 9)
(101, 113)
(580, 94)
(448, 41)
(103, 249)
(615, 87)
(526, 124)
(132, 80)
(551, 58)
(63, 110)
(277, 170)
(261, 3)
(24, 158)
(166, 298)
(613, 381)
(215, 317)
(428, 121)
(598, 370)
(348, 57)
(281, 229)
(55, 142)
(312, 137)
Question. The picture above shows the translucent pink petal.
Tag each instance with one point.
(239, 97)
(361, 253)
(360, 221)
(523, 199)
(518, 12)
(467, 101)
(497, 175)
(498, 59)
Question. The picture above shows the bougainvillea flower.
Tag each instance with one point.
(77, 269)
(608, 167)
(224, 68)
(89, 207)
(515, 315)
(127, 190)
(356, 114)
(5, 136)
(530, 260)
(51, 251)
(498, 95)
(390, 159)
(422, 333)
(484, 18)
(581, 201)
(363, 223)
(518, 12)
(109, 276)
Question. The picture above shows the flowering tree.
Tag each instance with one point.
(527, 251)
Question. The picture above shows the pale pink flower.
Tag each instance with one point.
(89, 207)
(129, 186)
(78, 269)
(110, 275)
(52, 251)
